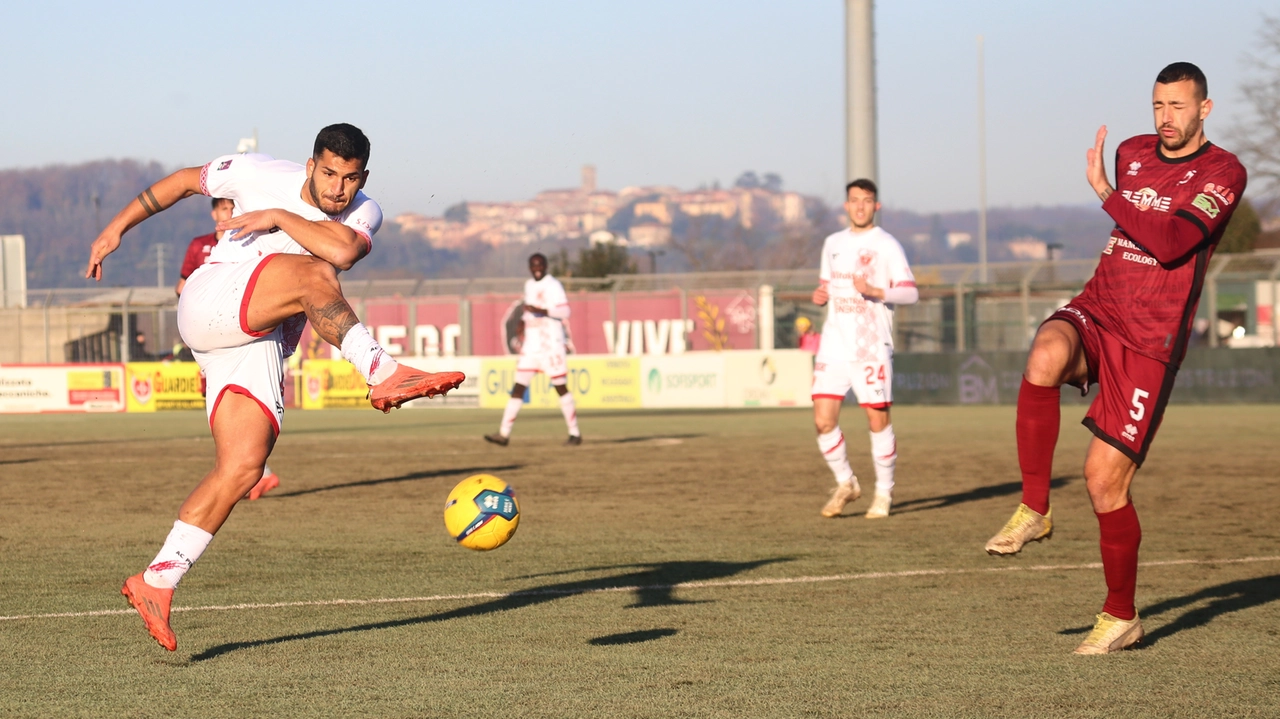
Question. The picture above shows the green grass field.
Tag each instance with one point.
(674, 565)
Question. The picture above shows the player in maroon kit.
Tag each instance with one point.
(1127, 332)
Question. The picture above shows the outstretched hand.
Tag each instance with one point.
(106, 243)
(1097, 166)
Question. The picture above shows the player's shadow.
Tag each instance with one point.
(19, 461)
(649, 438)
(1222, 599)
(651, 584)
(413, 476)
(972, 495)
(645, 635)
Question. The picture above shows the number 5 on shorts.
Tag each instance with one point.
(1139, 411)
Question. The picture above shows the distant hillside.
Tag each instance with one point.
(54, 208)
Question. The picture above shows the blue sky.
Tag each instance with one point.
(489, 100)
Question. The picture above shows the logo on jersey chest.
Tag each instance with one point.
(1147, 199)
(1133, 168)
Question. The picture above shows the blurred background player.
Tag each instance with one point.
(807, 338)
(243, 312)
(546, 307)
(1127, 331)
(863, 274)
(197, 254)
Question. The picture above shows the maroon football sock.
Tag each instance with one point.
(1039, 417)
(1121, 535)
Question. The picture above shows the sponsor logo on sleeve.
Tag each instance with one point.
(1224, 194)
(1147, 199)
(1206, 204)
(224, 164)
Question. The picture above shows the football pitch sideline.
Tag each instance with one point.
(673, 565)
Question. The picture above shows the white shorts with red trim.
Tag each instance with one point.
(871, 382)
(254, 370)
(214, 306)
(552, 364)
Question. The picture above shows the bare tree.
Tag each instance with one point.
(1256, 139)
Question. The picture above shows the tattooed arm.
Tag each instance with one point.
(157, 198)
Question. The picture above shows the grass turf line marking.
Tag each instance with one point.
(634, 588)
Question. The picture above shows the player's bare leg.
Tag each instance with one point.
(292, 284)
(826, 420)
(884, 454)
(1056, 358)
(1108, 474)
(503, 436)
(243, 438)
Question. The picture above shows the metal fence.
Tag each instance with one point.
(955, 312)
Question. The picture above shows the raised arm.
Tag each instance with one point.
(333, 242)
(157, 198)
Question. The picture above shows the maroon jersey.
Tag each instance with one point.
(1169, 214)
(197, 254)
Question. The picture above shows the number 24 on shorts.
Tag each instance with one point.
(874, 374)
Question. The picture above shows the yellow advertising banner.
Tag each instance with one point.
(333, 384)
(597, 382)
(158, 386)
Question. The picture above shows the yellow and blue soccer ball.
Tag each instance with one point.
(482, 512)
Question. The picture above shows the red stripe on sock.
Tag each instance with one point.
(829, 451)
(1039, 418)
(1121, 534)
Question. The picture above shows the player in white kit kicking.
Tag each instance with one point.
(546, 307)
(243, 311)
(864, 274)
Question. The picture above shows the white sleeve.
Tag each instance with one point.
(824, 268)
(224, 176)
(557, 301)
(365, 217)
(902, 284)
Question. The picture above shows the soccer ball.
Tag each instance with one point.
(482, 512)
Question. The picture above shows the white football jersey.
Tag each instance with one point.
(858, 329)
(260, 182)
(544, 334)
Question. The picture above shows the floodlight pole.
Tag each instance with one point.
(982, 168)
(860, 91)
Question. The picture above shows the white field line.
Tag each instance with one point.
(635, 588)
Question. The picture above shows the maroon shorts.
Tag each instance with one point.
(1133, 389)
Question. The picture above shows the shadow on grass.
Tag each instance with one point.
(402, 478)
(1223, 599)
(649, 438)
(652, 585)
(645, 635)
(19, 461)
(973, 495)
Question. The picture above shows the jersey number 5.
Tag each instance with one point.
(1139, 410)
(873, 374)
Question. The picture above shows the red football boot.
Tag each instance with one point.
(408, 383)
(264, 485)
(153, 605)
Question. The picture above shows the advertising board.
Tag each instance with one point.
(596, 382)
(467, 395)
(158, 386)
(695, 379)
(778, 378)
(62, 388)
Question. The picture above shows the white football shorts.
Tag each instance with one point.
(871, 382)
(552, 364)
(254, 370)
(213, 308)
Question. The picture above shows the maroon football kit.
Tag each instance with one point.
(1134, 316)
(197, 254)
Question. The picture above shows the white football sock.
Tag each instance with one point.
(836, 454)
(362, 350)
(265, 470)
(183, 546)
(884, 452)
(509, 415)
(570, 413)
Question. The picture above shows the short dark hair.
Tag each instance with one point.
(216, 200)
(538, 256)
(345, 141)
(1179, 71)
(863, 184)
